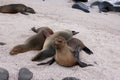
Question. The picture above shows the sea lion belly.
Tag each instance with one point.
(65, 59)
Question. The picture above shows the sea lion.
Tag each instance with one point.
(48, 48)
(34, 42)
(106, 6)
(16, 8)
(66, 55)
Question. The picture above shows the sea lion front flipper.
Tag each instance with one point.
(43, 55)
(87, 50)
(24, 13)
(34, 29)
(49, 62)
(76, 55)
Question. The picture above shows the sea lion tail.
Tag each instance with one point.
(87, 50)
(34, 29)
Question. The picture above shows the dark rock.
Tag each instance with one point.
(81, 6)
(25, 74)
(4, 74)
(70, 78)
(2, 43)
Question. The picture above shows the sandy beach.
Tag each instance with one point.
(99, 31)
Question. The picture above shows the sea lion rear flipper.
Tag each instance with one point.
(76, 55)
(82, 64)
(49, 62)
(87, 50)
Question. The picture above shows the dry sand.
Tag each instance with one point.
(99, 31)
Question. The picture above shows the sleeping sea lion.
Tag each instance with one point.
(35, 42)
(66, 55)
(48, 48)
(106, 6)
(16, 8)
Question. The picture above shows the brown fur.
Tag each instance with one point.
(16, 8)
(63, 54)
(48, 48)
(35, 42)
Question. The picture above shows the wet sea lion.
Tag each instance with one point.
(66, 55)
(16, 8)
(48, 48)
(105, 6)
(35, 42)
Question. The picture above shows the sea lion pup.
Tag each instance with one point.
(35, 42)
(48, 48)
(66, 55)
(16, 8)
(74, 42)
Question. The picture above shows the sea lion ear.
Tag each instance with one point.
(46, 33)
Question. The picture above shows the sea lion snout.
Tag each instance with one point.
(74, 32)
(30, 10)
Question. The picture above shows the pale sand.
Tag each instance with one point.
(99, 31)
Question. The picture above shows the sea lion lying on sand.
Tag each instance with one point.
(65, 55)
(35, 42)
(16, 8)
(48, 48)
(105, 6)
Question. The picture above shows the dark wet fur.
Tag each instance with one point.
(16, 8)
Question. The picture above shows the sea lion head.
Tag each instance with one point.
(17, 49)
(59, 42)
(30, 10)
(70, 32)
(74, 32)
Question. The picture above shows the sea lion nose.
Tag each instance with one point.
(74, 32)
(12, 53)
